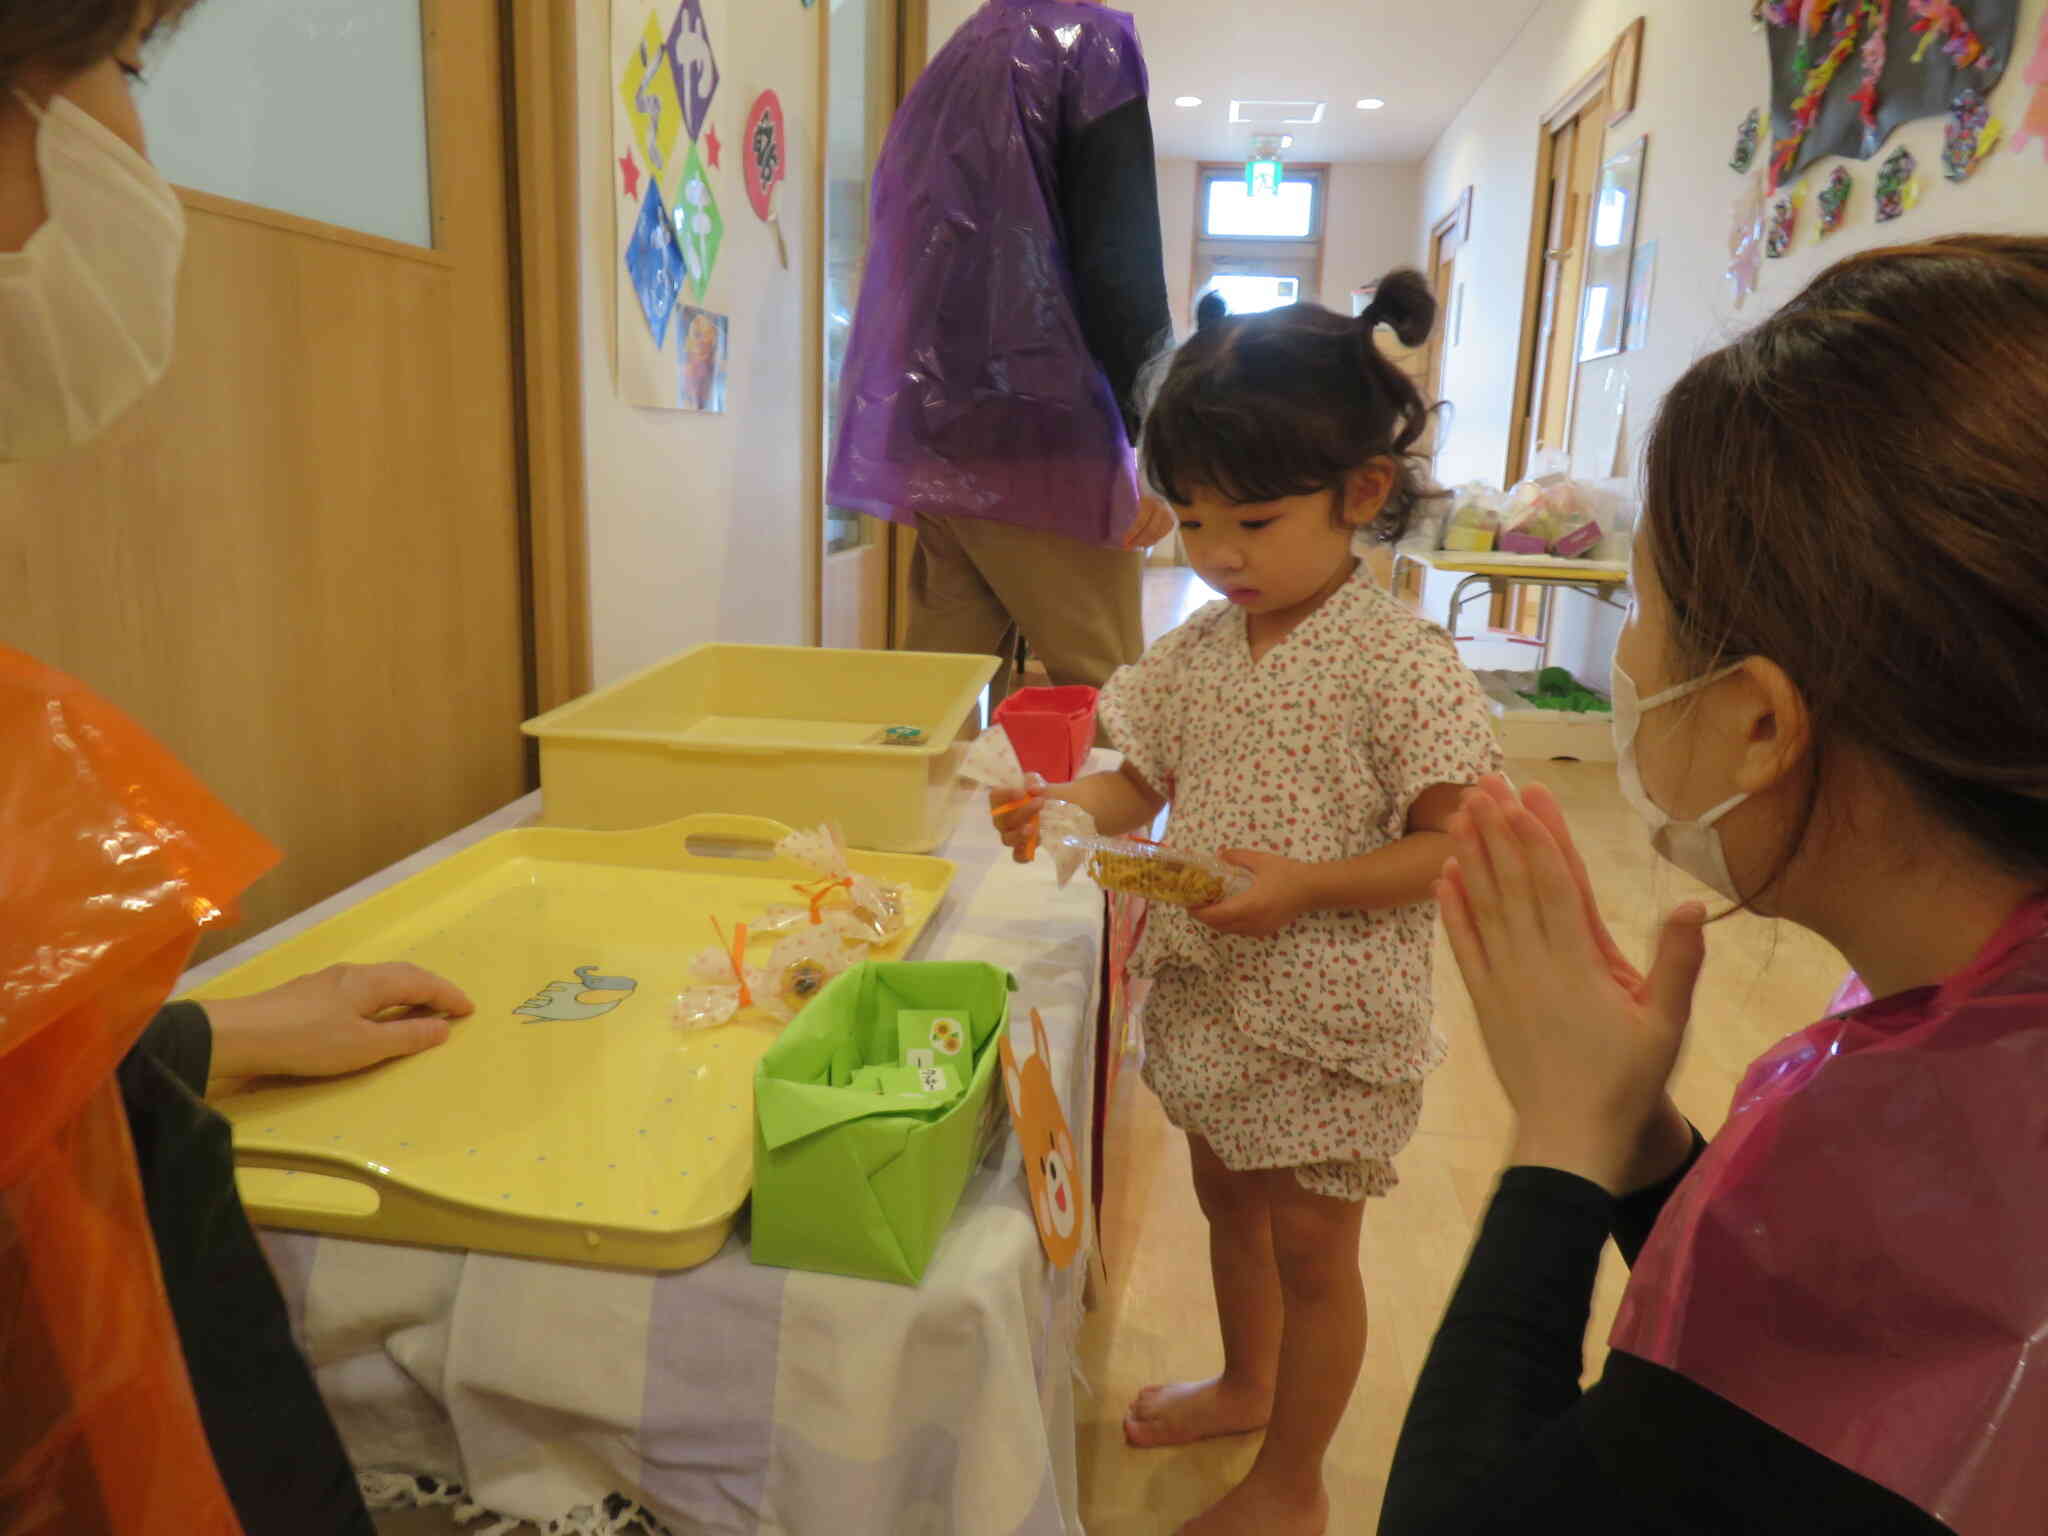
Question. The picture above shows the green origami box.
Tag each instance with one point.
(850, 1182)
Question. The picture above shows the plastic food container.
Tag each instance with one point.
(1053, 729)
(1159, 874)
(870, 740)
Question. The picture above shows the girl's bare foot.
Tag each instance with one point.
(1254, 1509)
(1194, 1410)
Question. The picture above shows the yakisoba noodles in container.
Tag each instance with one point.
(1133, 867)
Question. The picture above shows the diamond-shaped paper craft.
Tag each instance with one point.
(694, 64)
(699, 226)
(654, 264)
(647, 87)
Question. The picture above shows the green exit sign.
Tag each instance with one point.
(1262, 178)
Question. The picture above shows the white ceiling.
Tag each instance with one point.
(1424, 58)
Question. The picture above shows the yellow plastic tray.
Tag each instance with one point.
(778, 731)
(589, 1128)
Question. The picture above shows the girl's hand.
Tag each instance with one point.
(1015, 813)
(1279, 893)
(1582, 1046)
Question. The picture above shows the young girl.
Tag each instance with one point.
(1321, 736)
(1828, 708)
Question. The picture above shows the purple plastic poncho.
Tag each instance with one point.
(968, 388)
(1860, 1257)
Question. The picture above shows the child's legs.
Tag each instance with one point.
(1248, 1309)
(1242, 1270)
(1322, 1344)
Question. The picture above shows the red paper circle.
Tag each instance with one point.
(767, 153)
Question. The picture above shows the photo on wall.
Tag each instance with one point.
(703, 341)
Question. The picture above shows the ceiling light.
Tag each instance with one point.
(1287, 141)
(1187, 101)
(1370, 103)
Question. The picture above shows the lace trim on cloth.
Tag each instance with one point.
(618, 1516)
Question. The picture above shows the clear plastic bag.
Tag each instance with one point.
(993, 763)
(1133, 868)
(1474, 522)
(1554, 515)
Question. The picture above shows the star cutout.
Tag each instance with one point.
(629, 168)
(711, 146)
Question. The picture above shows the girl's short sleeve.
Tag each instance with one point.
(1140, 711)
(1430, 723)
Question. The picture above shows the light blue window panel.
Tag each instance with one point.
(312, 107)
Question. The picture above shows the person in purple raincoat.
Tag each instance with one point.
(1014, 292)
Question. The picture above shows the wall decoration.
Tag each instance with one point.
(1972, 133)
(713, 146)
(1642, 281)
(2035, 125)
(1745, 142)
(767, 163)
(1910, 59)
(1783, 225)
(669, 228)
(694, 63)
(1834, 199)
(700, 227)
(655, 265)
(702, 345)
(1898, 189)
(647, 87)
(1746, 240)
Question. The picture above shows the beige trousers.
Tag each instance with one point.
(974, 585)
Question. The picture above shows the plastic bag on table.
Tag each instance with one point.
(993, 763)
(113, 860)
(1474, 521)
(875, 910)
(1551, 514)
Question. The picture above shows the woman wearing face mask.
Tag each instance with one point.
(90, 238)
(1827, 702)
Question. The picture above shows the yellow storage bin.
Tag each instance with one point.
(777, 731)
(569, 1118)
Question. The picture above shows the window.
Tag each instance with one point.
(1230, 212)
(1252, 293)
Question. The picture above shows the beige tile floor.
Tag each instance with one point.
(1155, 1320)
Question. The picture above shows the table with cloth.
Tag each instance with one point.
(732, 1398)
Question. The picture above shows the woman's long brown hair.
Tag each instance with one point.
(1858, 490)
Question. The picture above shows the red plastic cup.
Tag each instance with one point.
(1053, 729)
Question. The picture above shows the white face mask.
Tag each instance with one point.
(1694, 846)
(87, 305)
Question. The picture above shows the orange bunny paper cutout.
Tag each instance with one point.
(1050, 1167)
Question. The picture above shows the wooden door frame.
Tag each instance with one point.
(1447, 237)
(541, 171)
(1570, 105)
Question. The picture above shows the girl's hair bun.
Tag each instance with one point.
(1404, 302)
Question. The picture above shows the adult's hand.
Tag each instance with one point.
(1583, 1046)
(342, 1019)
